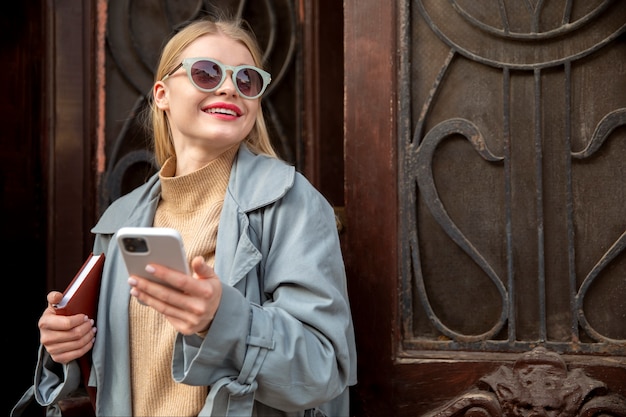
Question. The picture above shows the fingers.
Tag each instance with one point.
(66, 337)
(152, 294)
(176, 280)
(67, 352)
(201, 269)
(186, 313)
(190, 309)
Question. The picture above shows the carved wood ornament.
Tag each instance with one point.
(539, 384)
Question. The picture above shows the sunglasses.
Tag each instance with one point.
(208, 75)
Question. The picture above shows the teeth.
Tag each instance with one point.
(222, 111)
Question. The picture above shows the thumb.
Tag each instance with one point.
(201, 269)
(54, 297)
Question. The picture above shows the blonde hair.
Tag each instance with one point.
(258, 139)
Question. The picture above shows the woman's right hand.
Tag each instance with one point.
(65, 337)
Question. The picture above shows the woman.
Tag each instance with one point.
(263, 323)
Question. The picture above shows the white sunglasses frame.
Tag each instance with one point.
(187, 63)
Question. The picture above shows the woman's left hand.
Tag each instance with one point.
(190, 304)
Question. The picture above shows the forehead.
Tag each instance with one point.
(220, 47)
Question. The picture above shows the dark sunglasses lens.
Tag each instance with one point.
(206, 74)
(249, 82)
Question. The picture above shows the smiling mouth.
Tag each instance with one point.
(222, 111)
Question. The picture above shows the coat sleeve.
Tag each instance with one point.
(295, 350)
(54, 381)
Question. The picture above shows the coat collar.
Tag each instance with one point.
(258, 180)
(255, 181)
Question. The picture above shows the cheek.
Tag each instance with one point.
(182, 94)
(183, 105)
(250, 122)
(252, 110)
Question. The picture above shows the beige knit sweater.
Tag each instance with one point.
(191, 204)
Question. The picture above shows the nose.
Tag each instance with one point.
(228, 86)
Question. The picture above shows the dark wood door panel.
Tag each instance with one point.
(445, 386)
(484, 202)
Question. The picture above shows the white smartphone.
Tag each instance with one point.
(158, 245)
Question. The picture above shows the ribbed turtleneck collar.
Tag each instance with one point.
(191, 191)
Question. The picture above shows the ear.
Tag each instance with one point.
(161, 96)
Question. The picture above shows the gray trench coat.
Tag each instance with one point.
(282, 338)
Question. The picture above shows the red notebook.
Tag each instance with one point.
(81, 296)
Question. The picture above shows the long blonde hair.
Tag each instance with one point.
(258, 139)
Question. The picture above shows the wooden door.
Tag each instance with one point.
(485, 164)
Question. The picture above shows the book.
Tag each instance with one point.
(81, 295)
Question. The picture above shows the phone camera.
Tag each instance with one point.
(135, 244)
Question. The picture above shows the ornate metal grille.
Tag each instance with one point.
(512, 162)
